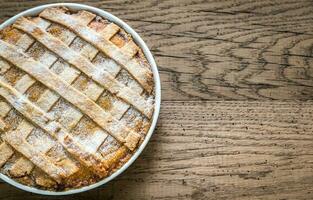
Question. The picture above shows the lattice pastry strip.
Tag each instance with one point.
(55, 100)
(86, 105)
(92, 90)
(101, 61)
(40, 141)
(101, 77)
(22, 127)
(127, 46)
(26, 82)
(17, 139)
(5, 153)
(142, 75)
(3, 125)
(25, 42)
(21, 133)
(71, 116)
(117, 106)
(111, 31)
(38, 159)
(69, 36)
(4, 108)
(70, 74)
(89, 164)
(52, 127)
(50, 97)
(43, 180)
(21, 167)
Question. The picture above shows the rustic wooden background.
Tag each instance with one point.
(237, 85)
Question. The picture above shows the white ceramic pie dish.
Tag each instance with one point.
(35, 11)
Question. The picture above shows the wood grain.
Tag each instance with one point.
(236, 120)
(227, 150)
(210, 50)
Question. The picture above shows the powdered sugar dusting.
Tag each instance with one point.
(89, 136)
(41, 141)
(93, 141)
(103, 62)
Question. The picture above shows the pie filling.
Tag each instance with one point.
(76, 99)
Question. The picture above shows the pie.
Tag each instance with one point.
(76, 99)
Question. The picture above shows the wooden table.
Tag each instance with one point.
(236, 120)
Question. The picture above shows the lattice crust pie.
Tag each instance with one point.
(76, 99)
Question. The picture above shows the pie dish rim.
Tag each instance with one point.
(157, 86)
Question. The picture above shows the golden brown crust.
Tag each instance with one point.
(81, 101)
(142, 75)
(21, 167)
(83, 64)
(58, 115)
(5, 153)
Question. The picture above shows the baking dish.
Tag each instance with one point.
(146, 51)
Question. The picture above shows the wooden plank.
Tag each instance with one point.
(221, 50)
(227, 150)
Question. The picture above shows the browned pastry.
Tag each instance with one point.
(76, 99)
